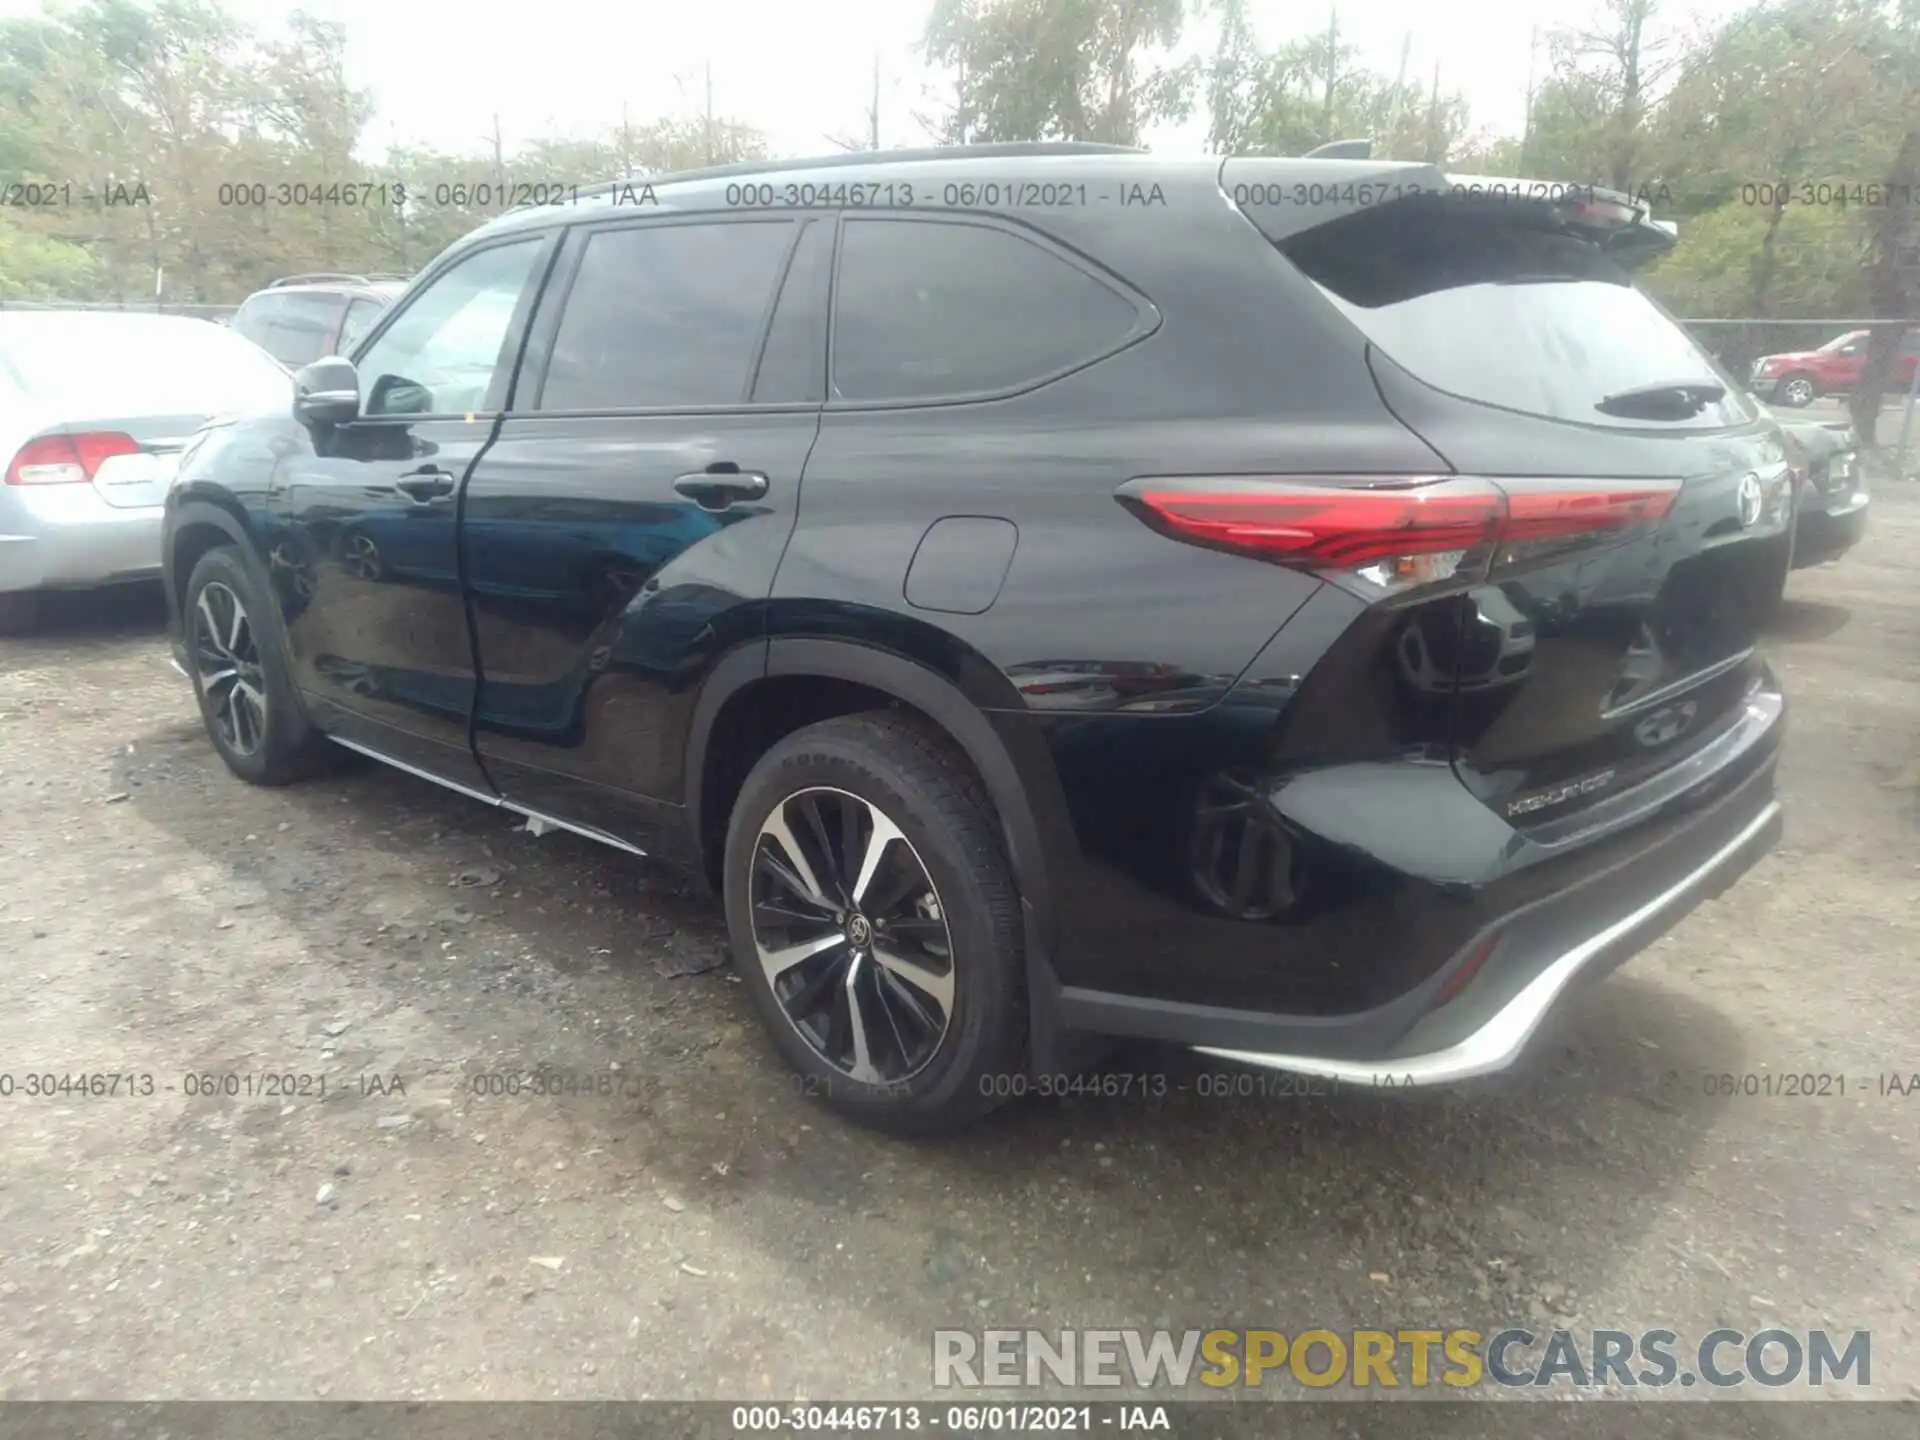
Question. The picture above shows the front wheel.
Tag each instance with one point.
(241, 677)
(876, 923)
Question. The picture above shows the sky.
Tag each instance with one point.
(803, 72)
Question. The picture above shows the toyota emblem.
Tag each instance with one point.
(1666, 724)
(1752, 501)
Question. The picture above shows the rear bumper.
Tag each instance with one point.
(1497, 1040)
(66, 537)
(1822, 535)
(1523, 921)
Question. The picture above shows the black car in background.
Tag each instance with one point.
(1831, 508)
(304, 317)
(1049, 591)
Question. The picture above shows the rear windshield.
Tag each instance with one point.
(1485, 306)
(110, 364)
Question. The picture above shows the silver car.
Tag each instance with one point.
(94, 410)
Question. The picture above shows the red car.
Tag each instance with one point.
(1796, 377)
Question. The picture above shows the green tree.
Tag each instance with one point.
(1059, 69)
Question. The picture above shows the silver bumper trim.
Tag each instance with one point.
(1498, 1043)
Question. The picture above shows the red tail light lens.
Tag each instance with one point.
(1551, 510)
(1394, 532)
(68, 459)
(1325, 523)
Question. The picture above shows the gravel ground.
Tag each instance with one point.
(707, 1232)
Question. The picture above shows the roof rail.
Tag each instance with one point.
(1341, 150)
(318, 277)
(853, 159)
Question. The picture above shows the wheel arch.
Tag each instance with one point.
(846, 676)
(198, 525)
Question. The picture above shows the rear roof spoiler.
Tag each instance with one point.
(1285, 197)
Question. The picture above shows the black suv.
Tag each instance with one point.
(304, 317)
(1302, 609)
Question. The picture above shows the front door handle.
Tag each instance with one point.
(719, 485)
(425, 485)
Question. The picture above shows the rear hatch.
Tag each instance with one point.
(1602, 639)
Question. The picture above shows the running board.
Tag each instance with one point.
(498, 802)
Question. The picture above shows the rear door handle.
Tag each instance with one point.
(425, 485)
(718, 486)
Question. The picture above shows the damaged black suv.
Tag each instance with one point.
(1301, 609)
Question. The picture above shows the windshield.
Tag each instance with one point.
(1510, 314)
(1840, 342)
(138, 364)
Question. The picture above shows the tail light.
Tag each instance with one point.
(68, 459)
(1397, 533)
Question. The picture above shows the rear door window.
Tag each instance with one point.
(927, 310)
(1487, 307)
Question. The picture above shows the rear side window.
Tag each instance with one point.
(254, 320)
(926, 310)
(1489, 308)
(301, 326)
(666, 316)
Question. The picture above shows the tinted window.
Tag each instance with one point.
(665, 315)
(360, 317)
(300, 325)
(440, 354)
(946, 309)
(793, 366)
(1487, 307)
(109, 364)
(255, 318)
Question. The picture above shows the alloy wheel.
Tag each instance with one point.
(1799, 392)
(360, 557)
(226, 657)
(850, 933)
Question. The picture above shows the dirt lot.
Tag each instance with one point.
(705, 1231)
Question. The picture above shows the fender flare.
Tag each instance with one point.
(197, 510)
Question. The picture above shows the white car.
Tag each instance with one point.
(95, 407)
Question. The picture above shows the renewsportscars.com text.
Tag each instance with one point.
(1393, 1359)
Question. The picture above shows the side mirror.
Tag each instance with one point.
(326, 393)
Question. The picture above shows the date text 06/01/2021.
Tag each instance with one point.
(887, 1419)
(482, 195)
(233, 1084)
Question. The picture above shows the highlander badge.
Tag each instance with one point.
(1561, 793)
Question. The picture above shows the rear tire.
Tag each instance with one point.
(19, 611)
(237, 658)
(905, 1009)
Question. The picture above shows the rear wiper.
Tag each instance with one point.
(1676, 398)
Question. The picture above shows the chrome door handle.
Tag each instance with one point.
(425, 485)
(717, 488)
